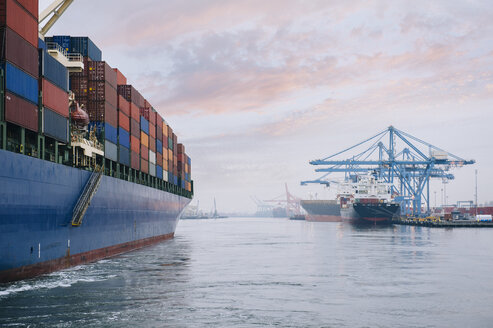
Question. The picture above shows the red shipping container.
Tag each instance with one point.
(135, 144)
(54, 98)
(101, 111)
(131, 94)
(123, 105)
(165, 143)
(159, 134)
(18, 51)
(159, 122)
(170, 132)
(120, 78)
(19, 20)
(31, 6)
(134, 128)
(181, 149)
(152, 144)
(159, 159)
(181, 157)
(111, 115)
(152, 130)
(152, 117)
(144, 152)
(144, 165)
(78, 85)
(21, 112)
(144, 111)
(135, 160)
(101, 71)
(134, 112)
(101, 90)
(123, 121)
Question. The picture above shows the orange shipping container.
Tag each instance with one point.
(165, 154)
(165, 130)
(123, 121)
(165, 167)
(135, 144)
(170, 155)
(144, 139)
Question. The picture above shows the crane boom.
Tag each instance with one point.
(57, 8)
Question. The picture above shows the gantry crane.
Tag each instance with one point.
(57, 8)
(409, 169)
(290, 202)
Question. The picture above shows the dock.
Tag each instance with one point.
(440, 223)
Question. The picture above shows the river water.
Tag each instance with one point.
(265, 272)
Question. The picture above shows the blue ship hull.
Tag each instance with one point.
(36, 202)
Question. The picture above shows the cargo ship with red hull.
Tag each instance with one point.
(88, 167)
(368, 200)
(322, 210)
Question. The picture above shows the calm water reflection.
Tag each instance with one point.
(272, 272)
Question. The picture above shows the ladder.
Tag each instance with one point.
(86, 196)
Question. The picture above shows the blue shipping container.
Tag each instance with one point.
(159, 171)
(144, 125)
(175, 180)
(170, 177)
(55, 125)
(53, 70)
(159, 146)
(21, 83)
(189, 161)
(123, 138)
(124, 155)
(84, 46)
(63, 41)
(41, 44)
(110, 150)
(110, 133)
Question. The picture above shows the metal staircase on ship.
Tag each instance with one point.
(86, 196)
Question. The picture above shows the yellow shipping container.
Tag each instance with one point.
(165, 130)
(165, 154)
(144, 139)
(170, 155)
(165, 166)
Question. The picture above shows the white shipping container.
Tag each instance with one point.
(165, 175)
(152, 169)
(483, 217)
(152, 157)
(438, 154)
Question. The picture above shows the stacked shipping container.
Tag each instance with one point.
(134, 134)
(19, 59)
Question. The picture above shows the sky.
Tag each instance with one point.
(256, 89)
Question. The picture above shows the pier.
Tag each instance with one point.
(440, 223)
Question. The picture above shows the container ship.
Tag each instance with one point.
(322, 210)
(367, 200)
(88, 167)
